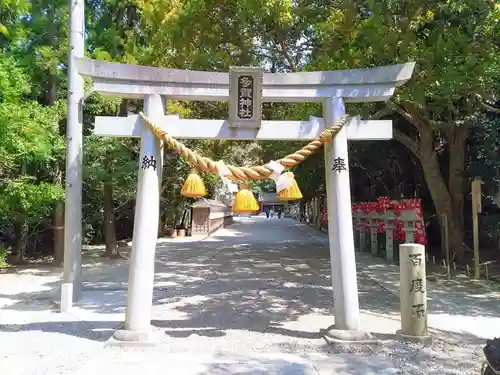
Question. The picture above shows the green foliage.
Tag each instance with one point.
(14, 82)
(28, 131)
(27, 135)
(29, 146)
(4, 253)
(484, 155)
(310, 176)
(25, 201)
(10, 16)
(452, 41)
(111, 161)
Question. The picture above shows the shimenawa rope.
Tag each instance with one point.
(254, 172)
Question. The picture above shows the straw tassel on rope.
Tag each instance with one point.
(193, 186)
(244, 201)
(292, 192)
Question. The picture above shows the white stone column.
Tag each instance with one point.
(389, 241)
(355, 225)
(373, 237)
(72, 276)
(142, 261)
(340, 231)
(409, 232)
(159, 150)
(362, 237)
(159, 161)
(413, 290)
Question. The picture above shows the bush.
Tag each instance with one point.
(4, 253)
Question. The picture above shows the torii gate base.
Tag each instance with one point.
(331, 88)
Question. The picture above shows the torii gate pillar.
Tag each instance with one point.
(71, 288)
(147, 210)
(340, 231)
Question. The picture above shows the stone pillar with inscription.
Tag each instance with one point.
(413, 291)
(142, 261)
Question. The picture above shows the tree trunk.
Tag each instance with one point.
(457, 139)
(58, 223)
(58, 213)
(315, 215)
(51, 92)
(109, 223)
(21, 241)
(161, 225)
(439, 192)
(58, 228)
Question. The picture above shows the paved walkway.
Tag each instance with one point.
(249, 300)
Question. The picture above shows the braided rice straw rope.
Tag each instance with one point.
(254, 172)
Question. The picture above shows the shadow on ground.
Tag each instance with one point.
(266, 277)
(460, 296)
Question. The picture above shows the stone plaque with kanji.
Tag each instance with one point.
(245, 96)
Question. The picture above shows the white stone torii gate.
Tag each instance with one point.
(156, 85)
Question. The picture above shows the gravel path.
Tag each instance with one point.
(260, 287)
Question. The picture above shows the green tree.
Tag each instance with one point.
(457, 66)
(453, 42)
(110, 172)
(29, 145)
